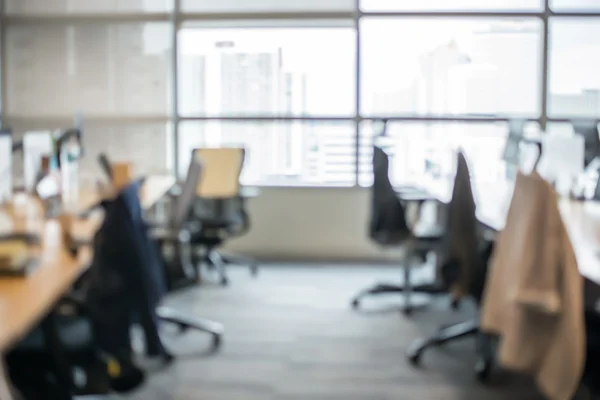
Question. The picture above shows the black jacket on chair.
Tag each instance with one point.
(461, 250)
(126, 281)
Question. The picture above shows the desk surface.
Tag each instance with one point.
(24, 301)
(582, 219)
(153, 189)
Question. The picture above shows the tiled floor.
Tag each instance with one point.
(291, 335)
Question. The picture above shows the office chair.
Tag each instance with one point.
(33, 371)
(132, 257)
(463, 272)
(388, 228)
(448, 333)
(216, 222)
(177, 234)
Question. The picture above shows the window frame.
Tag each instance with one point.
(178, 16)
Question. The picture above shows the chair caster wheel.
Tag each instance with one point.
(224, 281)
(454, 305)
(355, 303)
(415, 351)
(414, 356)
(407, 311)
(483, 369)
(216, 341)
(168, 358)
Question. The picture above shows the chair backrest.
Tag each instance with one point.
(388, 224)
(184, 203)
(463, 255)
(222, 169)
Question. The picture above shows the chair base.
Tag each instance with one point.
(386, 288)
(453, 332)
(237, 259)
(185, 322)
(217, 262)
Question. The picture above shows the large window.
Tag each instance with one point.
(268, 6)
(418, 149)
(451, 5)
(574, 66)
(62, 7)
(575, 5)
(450, 66)
(280, 153)
(305, 71)
(302, 85)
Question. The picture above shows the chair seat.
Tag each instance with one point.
(220, 222)
(216, 223)
(75, 334)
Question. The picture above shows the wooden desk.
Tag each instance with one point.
(153, 189)
(582, 219)
(24, 301)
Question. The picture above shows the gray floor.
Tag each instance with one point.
(291, 335)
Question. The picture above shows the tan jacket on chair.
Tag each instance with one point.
(533, 296)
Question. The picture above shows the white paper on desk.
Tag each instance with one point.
(35, 145)
(5, 166)
(48, 187)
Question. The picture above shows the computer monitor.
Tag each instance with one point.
(35, 146)
(589, 130)
(515, 134)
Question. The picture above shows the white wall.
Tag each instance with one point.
(309, 223)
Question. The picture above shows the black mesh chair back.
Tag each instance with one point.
(184, 203)
(388, 226)
(463, 267)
